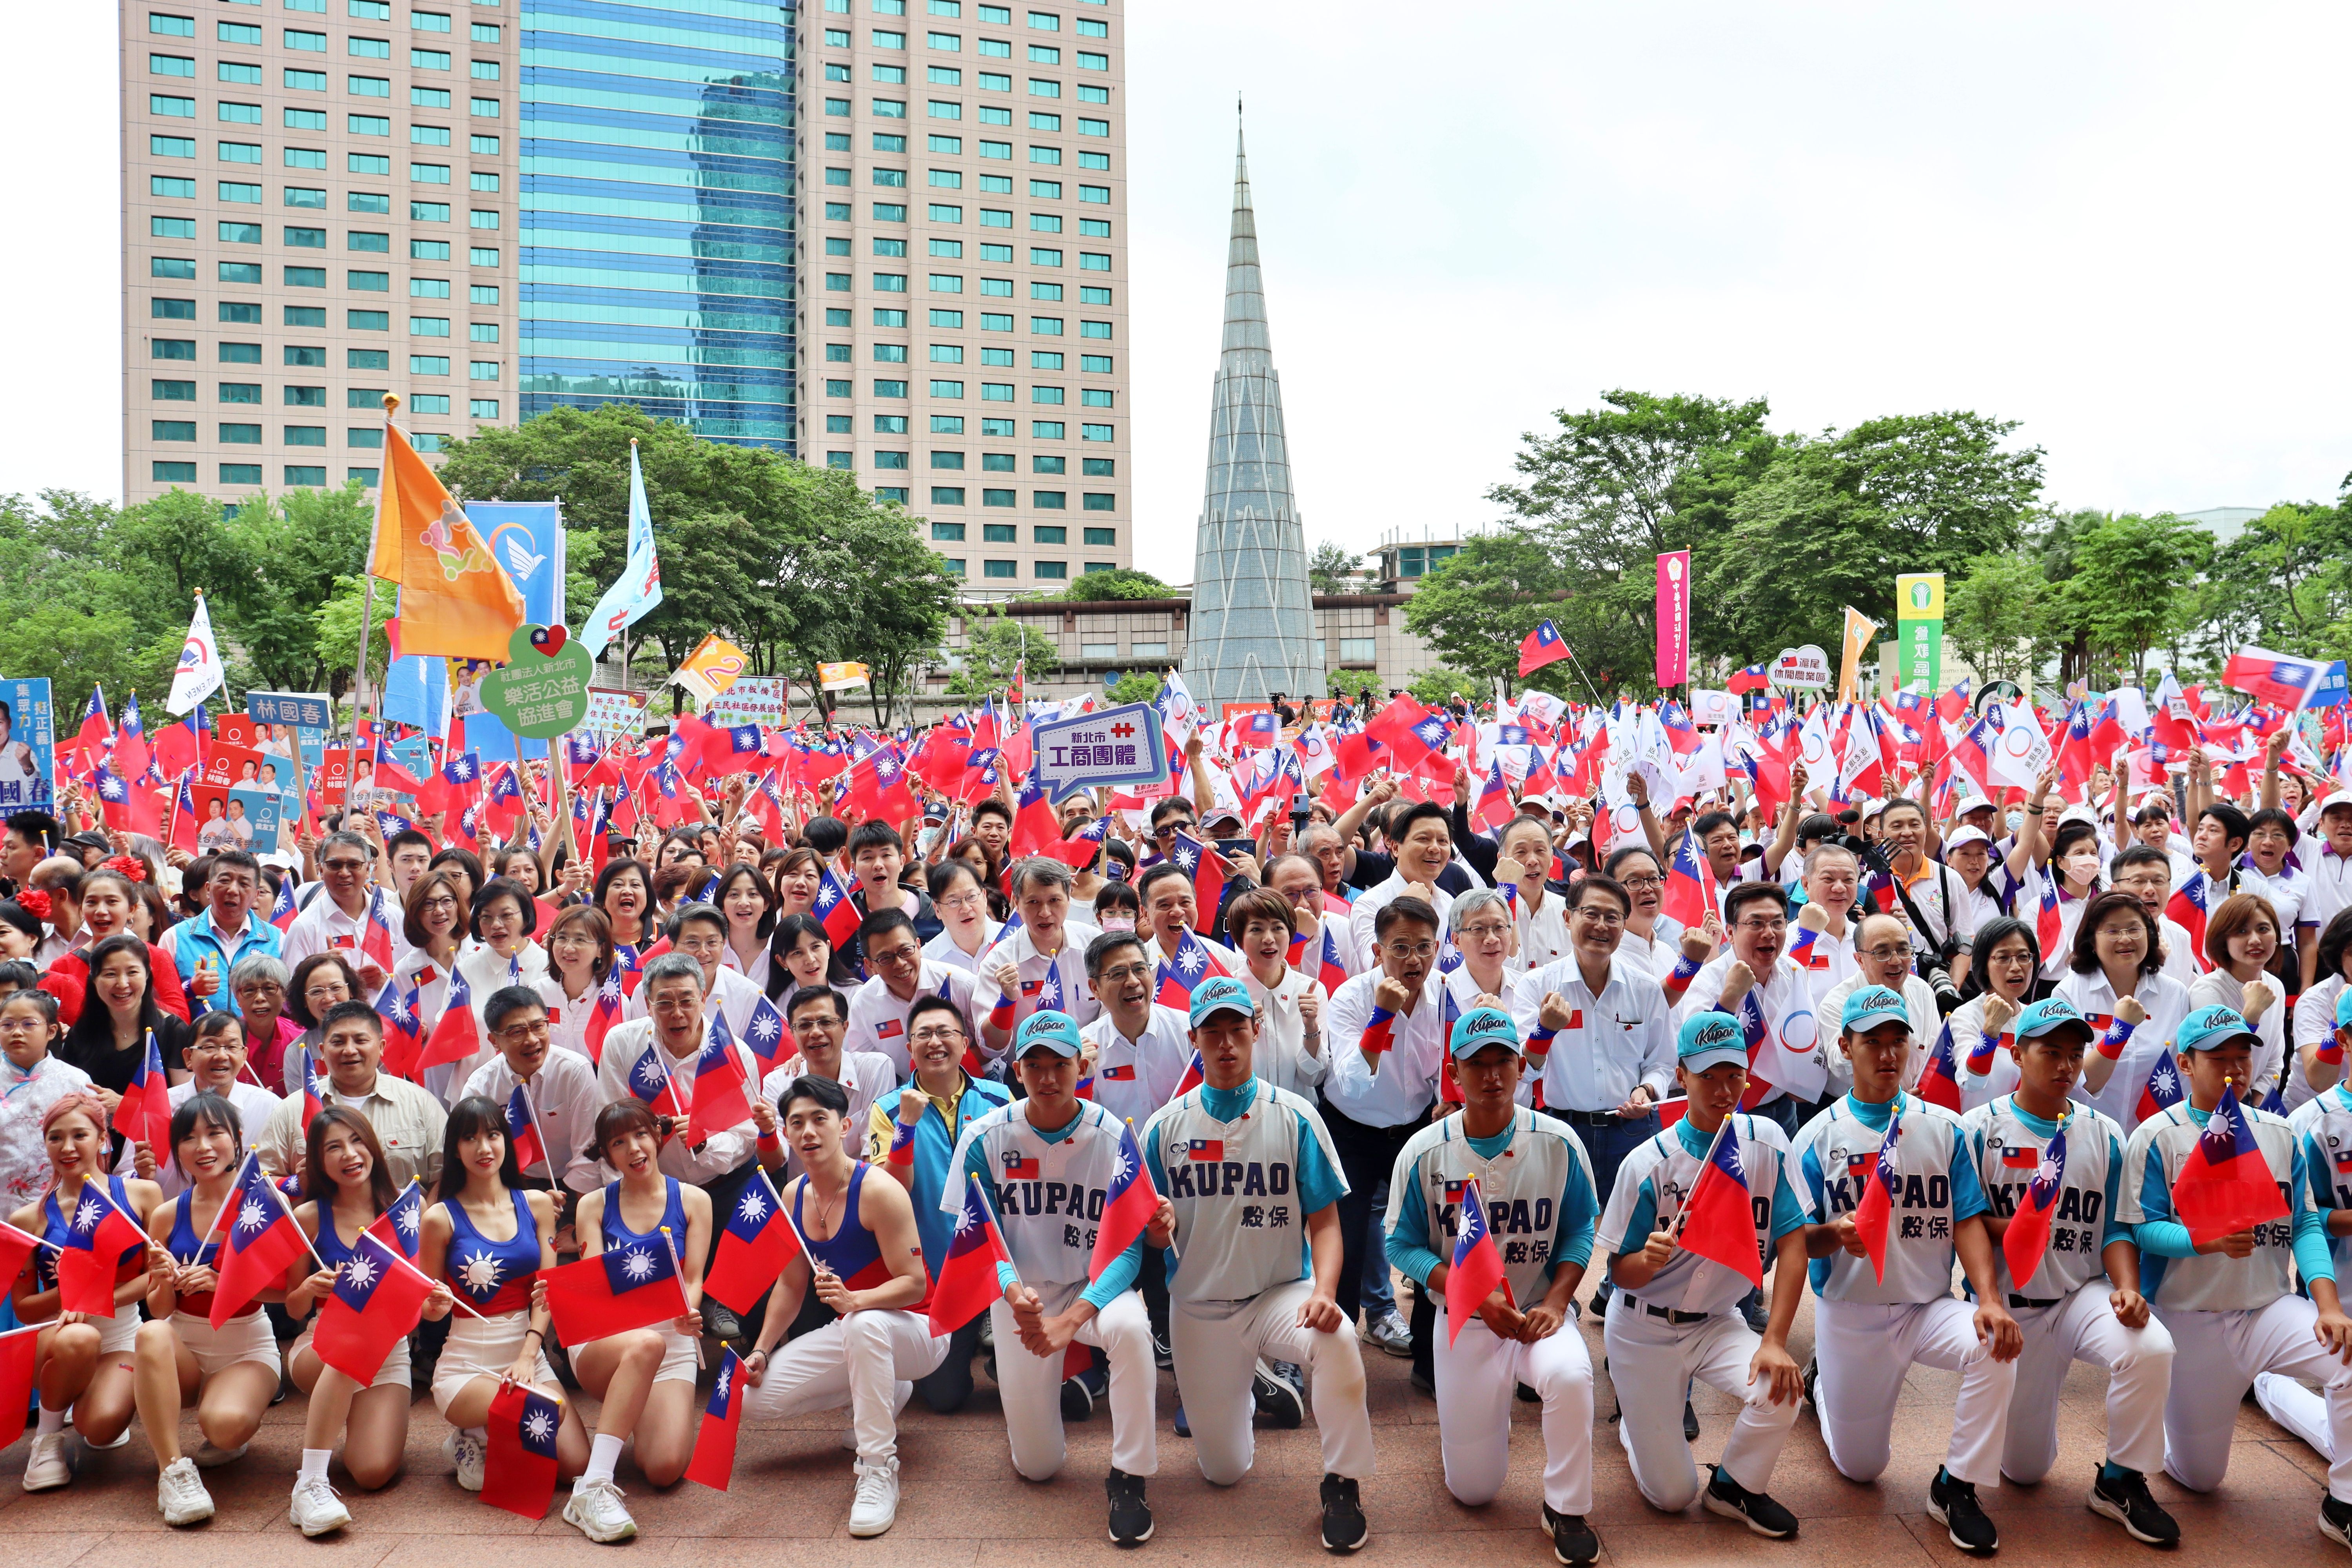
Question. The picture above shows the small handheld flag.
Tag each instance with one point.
(1128, 1206)
(518, 1471)
(2027, 1240)
(713, 1464)
(967, 1282)
(633, 1286)
(262, 1241)
(1477, 1266)
(1718, 1221)
(2225, 1185)
(756, 1245)
(1877, 1201)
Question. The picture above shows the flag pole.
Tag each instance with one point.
(671, 1242)
(367, 590)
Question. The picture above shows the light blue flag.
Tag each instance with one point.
(638, 590)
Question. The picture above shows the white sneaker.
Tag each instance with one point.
(597, 1509)
(316, 1509)
(210, 1457)
(876, 1505)
(465, 1452)
(180, 1495)
(50, 1464)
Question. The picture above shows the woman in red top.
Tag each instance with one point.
(108, 897)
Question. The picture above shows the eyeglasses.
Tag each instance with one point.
(1607, 920)
(1485, 931)
(943, 1032)
(346, 866)
(1886, 954)
(1773, 927)
(961, 902)
(1408, 949)
(1641, 881)
(326, 993)
(535, 1030)
(438, 906)
(1127, 972)
(907, 954)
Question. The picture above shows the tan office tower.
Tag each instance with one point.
(319, 201)
(963, 306)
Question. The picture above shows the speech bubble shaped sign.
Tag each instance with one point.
(542, 691)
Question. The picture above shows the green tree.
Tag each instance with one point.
(1617, 487)
(280, 560)
(335, 629)
(2134, 583)
(1120, 582)
(1475, 608)
(1996, 616)
(77, 608)
(1141, 686)
(1327, 567)
(993, 643)
(1431, 687)
(1356, 684)
(1834, 519)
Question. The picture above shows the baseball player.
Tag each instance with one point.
(2323, 1128)
(2229, 1303)
(1869, 1329)
(1537, 1186)
(1047, 1162)
(1255, 1187)
(1679, 1317)
(2081, 1301)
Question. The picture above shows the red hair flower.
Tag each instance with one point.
(34, 903)
(129, 867)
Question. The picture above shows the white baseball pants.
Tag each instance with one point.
(866, 1361)
(1217, 1345)
(1030, 1387)
(2219, 1353)
(1864, 1351)
(1651, 1363)
(2084, 1327)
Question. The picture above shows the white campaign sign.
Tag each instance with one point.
(2021, 753)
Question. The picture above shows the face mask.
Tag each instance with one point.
(2082, 865)
(1118, 923)
(2016, 819)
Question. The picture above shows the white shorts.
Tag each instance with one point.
(479, 1347)
(393, 1373)
(243, 1338)
(118, 1335)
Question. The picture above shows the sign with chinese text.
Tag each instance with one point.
(542, 691)
(1119, 746)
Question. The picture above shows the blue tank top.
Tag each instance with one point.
(53, 1231)
(851, 1252)
(492, 1276)
(673, 1219)
(188, 1255)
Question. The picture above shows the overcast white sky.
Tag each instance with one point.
(2123, 225)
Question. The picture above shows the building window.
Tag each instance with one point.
(1045, 394)
(427, 365)
(947, 495)
(1050, 534)
(1104, 537)
(1043, 464)
(999, 498)
(890, 389)
(947, 389)
(1099, 501)
(234, 435)
(1359, 650)
(301, 474)
(1000, 568)
(1056, 571)
(941, 424)
(240, 391)
(891, 424)
(890, 459)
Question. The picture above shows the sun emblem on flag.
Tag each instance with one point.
(1189, 961)
(252, 1215)
(965, 1220)
(537, 1426)
(611, 990)
(400, 1013)
(2164, 1082)
(86, 1215)
(1186, 858)
(726, 1378)
(754, 1206)
(763, 1028)
(1123, 1170)
(649, 1071)
(359, 1272)
(406, 1217)
(481, 1273)
(638, 1266)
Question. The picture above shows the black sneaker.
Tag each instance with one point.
(2127, 1502)
(1690, 1423)
(1754, 1509)
(1161, 1356)
(1572, 1540)
(2335, 1520)
(1279, 1399)
(1130, 1516)
(1343, 1515)
(1813, 1376)
(1953, 1504)
(1080, 1393)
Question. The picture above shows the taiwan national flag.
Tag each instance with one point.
(404, 1027)
(649, 1078)
(16, 1366)
(603, 1013)
(523, 1132)
(97, 1240)
(377, 1300)
(834, 909)
(518, 1472)
(401, 1226)
(2226, 1186)
(2049, 920)
(633, 1285)
(2273, 678)
(1128, 1206)
(713, 1464)
(1195, 1075)
(757, 1244)
(1206, 866)
(1877, 1201)
(283, 908)
(1541, 647)
(1719, 1222)
(1939, 1080)
(144, 1115)
(1178, 976)
(1477, 1266)
(763, 1032)
(1329, 968)
(262, 1241)
(2161, 1091)
(2188, 908)
(457, 1035)
(722, 1094)
(1687, 882)
(967, 1282)
(2027, 1240)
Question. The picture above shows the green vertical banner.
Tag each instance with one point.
(1920, 627)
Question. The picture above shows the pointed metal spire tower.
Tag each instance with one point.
(1253, 630)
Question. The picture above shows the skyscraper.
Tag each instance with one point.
(1252, 623)
(499, 206)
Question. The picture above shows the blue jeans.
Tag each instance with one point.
(1377, 1293)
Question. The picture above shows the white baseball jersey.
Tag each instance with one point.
(2323, 1131)
(1655, 1181)
(2007, 1143)
(1837, 1152)
(1049, 1192)
(1244, 1168)
(2212, 1281)
(1538, 1188)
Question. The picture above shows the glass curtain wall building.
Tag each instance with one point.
(656, 229)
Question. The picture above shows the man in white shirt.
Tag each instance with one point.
(1423, 837)
(1541, 913)
(1139, 1048)
(1882, 950)
(408, 1120)
(700, 932)
(2328, 862)
(1171, 910)
(349, 914)
(1754, 981)
(1046, 956)
(2146, 875)
(555, 1091)
(1298, 879)
(898, 975)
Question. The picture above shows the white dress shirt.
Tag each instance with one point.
(1782, 997)
(1617, 1040)
(1372, 901)
(877, 1020)
(726, 1150)
(1135, 1075)
(1280, 1056)
(943, 947)
(1020, 951)
(1543, 932)
(1926, 1025)
(1406, 1080)
(565, 1099)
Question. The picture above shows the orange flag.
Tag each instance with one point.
(454, 600)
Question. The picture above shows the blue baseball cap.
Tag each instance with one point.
(1220, 993)
(2050, 1013)
(1709, 1039)
(2208, 1027)
(2344, 1008)
(1481, 1028)
(1873, 1005)
(1055, 1031)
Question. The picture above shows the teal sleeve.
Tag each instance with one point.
(1639, 1223)
(2116, 1230)
(2158, 1233)
(1320, 1185)
(1409, 1246)
(1004, 1274)
(2314, 1258)
(1151, 1163)
(1117, 1279)
(1579, 1216)
(1786, 1217)
(1967, 1193)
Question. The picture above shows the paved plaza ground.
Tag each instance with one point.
(964, 1505)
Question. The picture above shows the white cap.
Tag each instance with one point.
(1871, 808)
(1973, 803)
(1964, 836)
(2079, 814)
(2336, 798)
(2164, 798)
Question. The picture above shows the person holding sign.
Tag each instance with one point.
(1694, 1212)
(1536, 1181)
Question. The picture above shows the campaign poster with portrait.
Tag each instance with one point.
(254, 815)
(216, 829)
(28, 746)
(229, 766)
(334, 767)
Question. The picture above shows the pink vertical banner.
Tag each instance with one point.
(1673, 620)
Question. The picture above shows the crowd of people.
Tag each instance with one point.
(1322, 1020)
